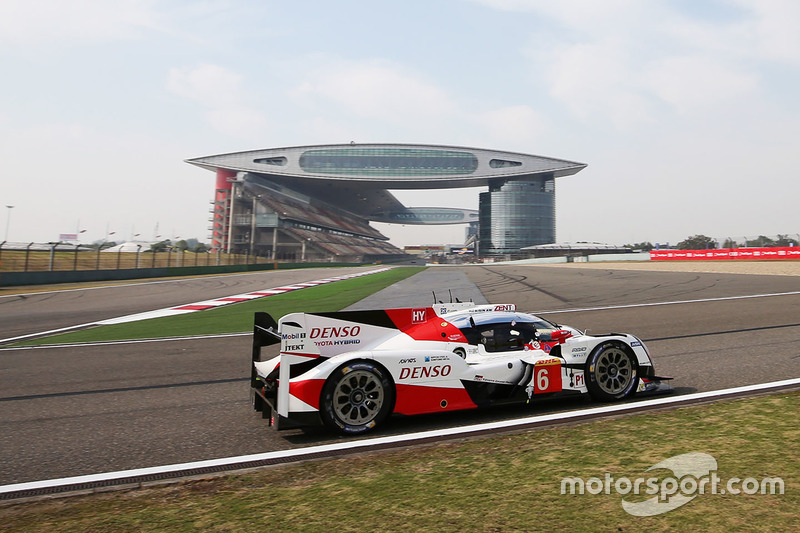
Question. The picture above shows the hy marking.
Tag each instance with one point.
(396, 439)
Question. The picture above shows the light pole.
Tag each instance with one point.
(8, 219)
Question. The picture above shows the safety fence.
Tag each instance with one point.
(49, 257)
(792, 252)
(38, 264)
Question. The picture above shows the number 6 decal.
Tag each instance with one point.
(547, 376)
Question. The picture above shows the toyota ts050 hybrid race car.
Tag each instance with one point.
(350, 370)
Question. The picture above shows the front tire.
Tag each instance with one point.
(611, 372)
(356, 398)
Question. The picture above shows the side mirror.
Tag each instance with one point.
(560, 335)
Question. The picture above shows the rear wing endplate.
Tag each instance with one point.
(265, 333)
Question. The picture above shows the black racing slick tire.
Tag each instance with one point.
(611, 372)
(356, 398)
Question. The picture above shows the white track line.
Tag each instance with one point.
(143, 281)
(131, 341)
(577, 310)
(408, 438)
(677, 302)
(201, 306)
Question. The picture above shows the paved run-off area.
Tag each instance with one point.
(768, 268)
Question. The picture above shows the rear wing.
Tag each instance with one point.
(265, 333)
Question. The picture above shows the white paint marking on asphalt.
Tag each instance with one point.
(132, 341)
(409, 438)
(144, 282)
(167, 339)
(187, 308)
(44, 333)
(654, 304)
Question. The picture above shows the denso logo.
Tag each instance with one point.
(425, 372)
(327, 333)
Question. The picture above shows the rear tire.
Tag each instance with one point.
(611, 372)
(356, 398)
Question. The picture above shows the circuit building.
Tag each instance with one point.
(315, 203)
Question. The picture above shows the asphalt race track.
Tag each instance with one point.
(39, 310)
(67, 411)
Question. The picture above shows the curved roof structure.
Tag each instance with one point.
(358, 177)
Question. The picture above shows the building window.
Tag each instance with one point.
(276, 161)
(502, 163)
(389, 162)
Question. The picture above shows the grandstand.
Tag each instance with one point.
(315, 203)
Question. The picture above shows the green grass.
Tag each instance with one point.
(505, 483)
(239, 317)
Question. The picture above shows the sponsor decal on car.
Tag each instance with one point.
(417, 372)
(340, 342)
(484, 379)
(327, 333)
(547, 376)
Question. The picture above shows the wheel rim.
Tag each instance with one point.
(358, 398)
(614, 371)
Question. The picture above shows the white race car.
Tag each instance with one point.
(350, 370)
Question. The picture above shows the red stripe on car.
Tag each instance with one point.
(307, 390)
(416, 399)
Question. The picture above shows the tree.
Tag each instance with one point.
(697, 242)
(643, 246)
(785, 241)
(200, 248)
(102, 244)
(761, 242)
(161, 246)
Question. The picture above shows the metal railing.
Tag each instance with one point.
(59, 256)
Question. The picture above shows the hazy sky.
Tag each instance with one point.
(686, 111)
